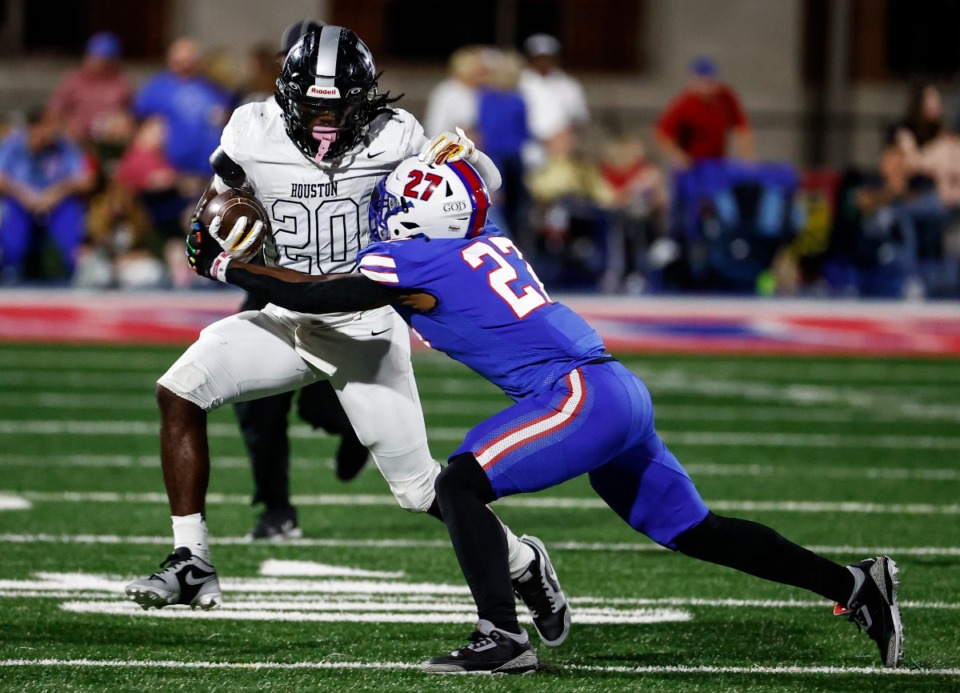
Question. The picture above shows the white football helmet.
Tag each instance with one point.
(445, 201)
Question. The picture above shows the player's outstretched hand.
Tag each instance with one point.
(448, 147)
(204, 253)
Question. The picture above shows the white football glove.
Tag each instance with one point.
(241, 242)
(448, 147)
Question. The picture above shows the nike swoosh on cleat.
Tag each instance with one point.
(489, 645)
(188, 577)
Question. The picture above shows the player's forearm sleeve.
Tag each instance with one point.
(335, 296)
(488, 170)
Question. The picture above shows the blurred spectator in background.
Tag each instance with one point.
(571, 215)
(555, 100)
(222, 69)
(195, 109)
(933, 154)
(453, 102)
(117, 250)
(924, 120)
(937, 222)
(872, 250)
(502, 131)
(725, 216)
(43, 176)
(695, 125)
(640, 206)
(92, 102)
(145, 172)
(263, 68)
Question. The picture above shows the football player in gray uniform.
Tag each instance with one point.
(263, 422)
(313, 157)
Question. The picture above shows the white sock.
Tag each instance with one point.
(520, 555)
(191, 531)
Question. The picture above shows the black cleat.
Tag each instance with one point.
(185, 579)
(541, 592)
(276, 525)
(491, 651)
(873, 608)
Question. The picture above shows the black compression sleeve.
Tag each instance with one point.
(334, 296)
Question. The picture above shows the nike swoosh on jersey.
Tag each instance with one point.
(374, 154)
(375, 334)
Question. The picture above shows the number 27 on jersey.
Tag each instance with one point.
(522, 299)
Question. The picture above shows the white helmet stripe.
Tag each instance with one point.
(326, 68)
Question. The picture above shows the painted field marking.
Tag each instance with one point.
(362, 499)
(348, 594)
(134, 461)
(696, 468)
(341, 595)
(9, 501)
(444, 544)
(382, 613)
(401, 666)
(691, 438)
(480, 407)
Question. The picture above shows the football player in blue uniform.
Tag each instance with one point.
(466, 290)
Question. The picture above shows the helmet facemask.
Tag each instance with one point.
(327, 92)
(325, 129)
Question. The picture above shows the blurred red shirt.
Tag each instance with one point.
(699, 124)
(85, 96)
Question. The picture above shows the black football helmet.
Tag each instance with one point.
(329, 79)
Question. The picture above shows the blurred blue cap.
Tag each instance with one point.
(702, 66)
(104, 45)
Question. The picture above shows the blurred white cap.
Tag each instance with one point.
(541, 44)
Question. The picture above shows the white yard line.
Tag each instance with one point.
(697, 469)
(444, 544)
(367, 613)
(361, 499)
(400, 666)
(9, 501)
(690, 438)
(478, 408)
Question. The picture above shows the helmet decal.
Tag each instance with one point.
(478, 194)
(439, 201)
(326, 66)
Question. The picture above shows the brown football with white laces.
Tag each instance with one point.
(231, 206)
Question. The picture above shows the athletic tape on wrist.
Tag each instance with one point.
(218, 270)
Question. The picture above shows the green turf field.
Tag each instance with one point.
(851, 456)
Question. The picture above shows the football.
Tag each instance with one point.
(231, 206)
